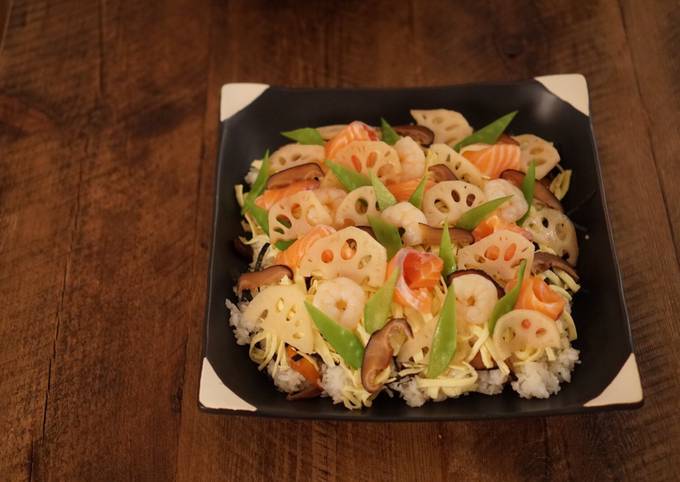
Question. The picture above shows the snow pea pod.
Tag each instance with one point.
(389, 135)
(445, 337)
(383, 195)
(378, 306)
(507, 302)
(528, 184)
(474, 216)
(386, 234)
(446, 252)
(417, 197)
(488, 134)
(259, 184)
(349, 179)
(346, 343)
(306, 135)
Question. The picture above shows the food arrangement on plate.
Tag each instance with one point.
(426, 261)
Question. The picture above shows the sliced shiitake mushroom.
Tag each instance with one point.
(244, 250)
(303, 172)
(268, 276)
(543, 261)
(431, 235)
(421, 134)
(380, 349)
(541, 191)
(456, 274)
(442, 173)
(478, 364)
(308, 390)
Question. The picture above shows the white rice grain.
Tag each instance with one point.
(491, 381)
(286, 379)
(409, 391)
(243, 330)
(333, 380)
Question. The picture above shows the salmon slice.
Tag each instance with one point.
(419, 273)
(291, 257)
(355, 131)
(492, 224)
(404, 189)
(536, 295)
(495, 159)
(272, 196)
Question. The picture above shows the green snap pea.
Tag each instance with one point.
(259, 184)
(383, 195)
(349, 178)
(446, 252)
(389, 136)
(528, 185)
(507, 302)
(445, 337)
(386, 234)
(259, 215)
(417, 196)
(488, 134)
(474, 216)
(283, 244)
(346, 343)
(378, 307)
(306, 135)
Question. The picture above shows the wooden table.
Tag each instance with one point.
(108, 136)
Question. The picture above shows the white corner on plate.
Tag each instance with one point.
(571, 88)
(215, 394)
(235, 97)
(625, 388)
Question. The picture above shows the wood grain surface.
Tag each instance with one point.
(108, 138)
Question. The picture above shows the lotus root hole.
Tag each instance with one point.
(526, 324)
(327, 256)
(296, 211)
(363, 262)
(349, 249)
(441, 206)
(510, 252)
(492, 253)
(372, 158)
(356, 163)
(470, 199)
(361, 206)
(455, 195)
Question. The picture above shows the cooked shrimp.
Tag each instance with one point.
(512, 209)
(406, 215)
(493, 160)
(341, 299)
(331, 198)
(412, 158)
(476, 297)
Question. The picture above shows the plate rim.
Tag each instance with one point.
(624, 391)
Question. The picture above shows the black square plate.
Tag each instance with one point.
(553, 107)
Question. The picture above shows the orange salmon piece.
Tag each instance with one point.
(291, 257)
(495, 159)
(272, 196)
